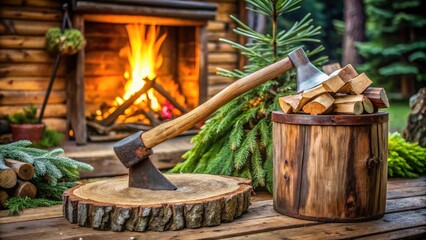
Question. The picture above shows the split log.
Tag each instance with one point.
(284, 105)
(23, 170)
(295, 101)
(366, 103)
(339, 78)
(7, 176)
(356, 85)
(319, 105)
(330, 68)
(377, 96)
(200, 200)
(24, 189)
(349, 108)
(3, 198)
(313, 92)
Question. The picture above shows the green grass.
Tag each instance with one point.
(398, 115)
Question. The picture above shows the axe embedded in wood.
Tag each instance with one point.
(134, 151)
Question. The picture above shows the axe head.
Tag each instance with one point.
(142, 173)
(308, 76)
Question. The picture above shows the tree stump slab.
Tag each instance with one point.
(200, 200)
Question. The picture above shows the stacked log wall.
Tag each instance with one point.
(220, 54)
(25, 66)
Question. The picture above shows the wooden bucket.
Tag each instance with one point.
(330, 168)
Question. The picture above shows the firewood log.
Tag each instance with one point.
(24, 171)
(284, 105)
(330, 68)
(295, 101)
(7, 176)
(349, 108)
(366, 103)
(3, 198)
(338, 78)
(320, 105)
(356, 85)
(313, 92)
(24, 189)
(377, 96)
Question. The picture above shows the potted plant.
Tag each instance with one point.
(67, 42)
(24, 125)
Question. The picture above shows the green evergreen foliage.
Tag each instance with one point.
(237, 139)
(405, 159)
(397, 42)
(69, 42)
(48, 164)
(50, 138)
(47, 191)
(54, 173)
(17, 204)
(28, 116)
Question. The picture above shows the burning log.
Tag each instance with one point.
(169, 97)
(148, 114)
(105, 130)
(120, 110)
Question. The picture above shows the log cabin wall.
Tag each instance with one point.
(25, 66)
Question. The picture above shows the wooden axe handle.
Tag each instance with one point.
(174, 127)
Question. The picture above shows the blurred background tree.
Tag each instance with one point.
(395, 50)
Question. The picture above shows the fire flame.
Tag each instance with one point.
(143, 54)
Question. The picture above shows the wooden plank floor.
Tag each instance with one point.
(405, 218)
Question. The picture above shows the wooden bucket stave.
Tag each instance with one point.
(330, 168)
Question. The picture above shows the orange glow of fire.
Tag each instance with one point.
(143, 54)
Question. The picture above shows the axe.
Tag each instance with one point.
(134, 151)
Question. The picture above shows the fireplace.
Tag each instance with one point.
(144, 62)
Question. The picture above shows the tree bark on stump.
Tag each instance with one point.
(200, 200)
(416, 126)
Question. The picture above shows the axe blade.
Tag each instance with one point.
(145, 175)
(142, 173)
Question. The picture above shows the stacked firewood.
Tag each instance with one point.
(14, 176)
(344, 92)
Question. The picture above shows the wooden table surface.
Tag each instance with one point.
(405, 218)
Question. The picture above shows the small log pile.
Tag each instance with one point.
(344, 92)
(14, 176)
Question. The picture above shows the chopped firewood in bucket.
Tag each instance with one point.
(345, 92)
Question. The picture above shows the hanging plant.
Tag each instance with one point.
(67, 43)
